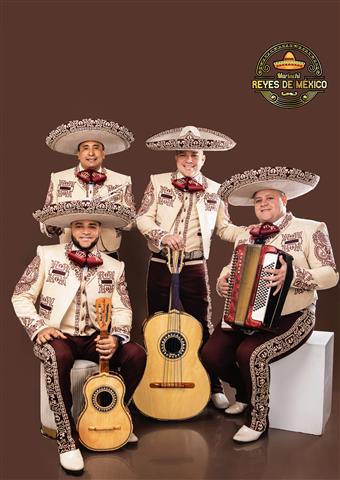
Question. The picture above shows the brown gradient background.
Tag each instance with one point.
(150, 65)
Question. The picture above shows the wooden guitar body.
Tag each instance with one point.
(105, 423)
(175, 385)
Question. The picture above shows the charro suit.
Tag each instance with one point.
(67, 298)
(194, 216)
(65, 186)
(242, 359)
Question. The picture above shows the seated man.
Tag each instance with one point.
(242, 357)
(69, 278)
(90, 140)
(180, 210)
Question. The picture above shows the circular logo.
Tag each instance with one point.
(173, 345)
(289, 75)
(104, 399)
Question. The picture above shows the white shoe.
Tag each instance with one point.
(246, 434)
(236, 408)
(132, 438)
(72, 460)
(219, 400)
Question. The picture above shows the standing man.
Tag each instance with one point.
(90, 140)
(242, 357)
(69, 278)
(181, 210)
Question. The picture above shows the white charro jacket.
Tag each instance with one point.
(65, 186)
(56, 279)
(313, 265)
(162, 202)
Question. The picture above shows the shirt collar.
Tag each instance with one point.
(81, 169)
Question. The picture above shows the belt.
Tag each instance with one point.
(190, 258)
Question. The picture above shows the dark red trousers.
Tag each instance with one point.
(194, 295)
(243, 360)
(58, 357)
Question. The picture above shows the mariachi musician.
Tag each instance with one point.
(90, 141)
(180, 210)
(68, 278)
(239, 356)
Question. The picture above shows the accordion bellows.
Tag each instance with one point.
(250, 303)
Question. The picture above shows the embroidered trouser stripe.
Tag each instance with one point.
(47, 355)
(272, 350)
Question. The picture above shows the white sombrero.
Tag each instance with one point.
(67, 137)
(109, 214)
(190, 138)
(241, 188)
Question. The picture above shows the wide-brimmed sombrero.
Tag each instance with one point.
(190, 138)
(241, 188)
(67, 137)
(109, 214)
(289, 63)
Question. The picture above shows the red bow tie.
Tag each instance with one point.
(265, 230)
(84, 258)
(187, 184)
(91, 176)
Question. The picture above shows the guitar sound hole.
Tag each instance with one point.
(173, 345)
(104, 399)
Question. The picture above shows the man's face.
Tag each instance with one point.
(190, 162)
(85, 233)
(91, 154)
(270, 205)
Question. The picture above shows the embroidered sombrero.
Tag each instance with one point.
(241, 188)
(190, 138)
(289, 63)
(109, 214)
(67, 137)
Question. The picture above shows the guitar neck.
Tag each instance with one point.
(103, 364)
(175, 301)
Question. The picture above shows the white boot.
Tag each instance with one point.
(236, 408)
(72, 460)
(219, 400)
(246, 434)
(132, 438)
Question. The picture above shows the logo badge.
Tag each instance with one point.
(289, 75)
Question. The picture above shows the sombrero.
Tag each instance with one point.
(289, 63)
(190, 138)
(67, 137)
(241, 188)
(109, 214)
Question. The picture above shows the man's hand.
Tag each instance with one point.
(277, 277)
(54, 230)
(47, 334)
(175, 242)
(106, 347)
(222, 285)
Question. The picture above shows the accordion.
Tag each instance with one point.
(250, 303)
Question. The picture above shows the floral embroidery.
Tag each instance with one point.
(129, 198)
(323, 249)
(123, 329)
(259, 365)
(49, 196)
(155, 236)
(116, 193)
(45, 307)
(211, 201)
(65, 188)
(291, 241)
(105, 282)
(122, 291)
(58, 272)
(32, 325)
(147, 201)
(303, 281)
(29, 277)
(166, 196)
(286, 221)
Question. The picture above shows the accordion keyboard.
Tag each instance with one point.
(263, 291)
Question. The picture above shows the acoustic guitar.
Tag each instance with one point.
(175, 385)
(105, 422)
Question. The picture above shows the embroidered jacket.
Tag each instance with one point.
(162, 203)
(56, 279)
(314, 266)
(65, 185)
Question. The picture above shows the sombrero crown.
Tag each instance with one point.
(67, 137)
(190, 138)
(108, 214)
(241, 188)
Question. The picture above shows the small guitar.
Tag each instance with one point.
(105, 422)
(175, 385)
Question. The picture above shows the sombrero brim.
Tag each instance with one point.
(110, 215)
(66, 138)
(240, 189)
(208, 140)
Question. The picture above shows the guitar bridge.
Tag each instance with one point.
(172, 385)
(104, 429)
